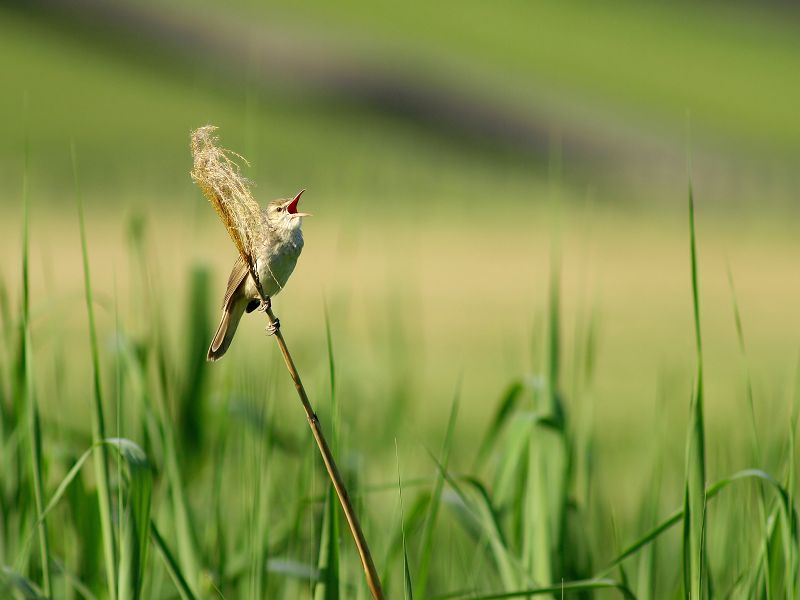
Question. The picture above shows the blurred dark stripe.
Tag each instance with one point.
(232, 54)
(245, 54)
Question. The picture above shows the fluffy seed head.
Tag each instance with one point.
(218, 176)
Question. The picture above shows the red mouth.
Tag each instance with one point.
(291, 208)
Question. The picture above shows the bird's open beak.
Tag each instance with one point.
(291, 206)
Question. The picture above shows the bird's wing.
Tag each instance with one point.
(238, 275)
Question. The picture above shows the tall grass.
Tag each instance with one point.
(27, 394)
(694, 503)
(104, 501)
(213, 493)
(328, 588)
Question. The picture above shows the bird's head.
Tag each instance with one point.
(282, 214)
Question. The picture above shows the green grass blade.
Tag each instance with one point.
(648, 563)
(332, 378)
(171, 564)
(790, 520)
(737, 317)
(184, 530)
(182, 522)
(65, 483)
(643, 541)
(191, 407)
(426, 542)
(510, 481)
(414, 519)
(408, 585)
(554, 341)
(118, 391)
(771, 571)
(548, 472)
(5, 307)
(6, 327)
(38, 488)
(712, 491)
(623, 574)
(756, 450)
(74, 582)
(694, 518)
(486, 518)
(34, 423)
(538, 515)
(98, 425)
(505, 409)
(328, 586)
(135, 522)
(587, 585)
(137, 509)
(261, 532)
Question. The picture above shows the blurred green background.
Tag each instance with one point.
(455, 156)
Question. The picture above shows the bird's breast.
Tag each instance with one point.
(277, 262)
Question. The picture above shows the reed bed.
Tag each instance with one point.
(193, 486)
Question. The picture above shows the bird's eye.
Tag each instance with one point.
(280, 209)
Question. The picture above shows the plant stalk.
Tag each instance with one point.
(371, 573)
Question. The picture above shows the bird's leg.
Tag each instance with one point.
(266, 304)
(273, 326)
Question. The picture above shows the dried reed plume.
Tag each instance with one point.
(223, 184)
(227, 190)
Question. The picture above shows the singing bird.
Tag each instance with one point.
(275, 261)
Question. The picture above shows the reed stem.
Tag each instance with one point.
(373, 581)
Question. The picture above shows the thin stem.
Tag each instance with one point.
(373, 581)
(34, 423)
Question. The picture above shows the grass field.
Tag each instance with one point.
(502, 347)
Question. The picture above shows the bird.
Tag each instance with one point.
(275, 259)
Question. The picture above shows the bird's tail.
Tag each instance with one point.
(231, 315)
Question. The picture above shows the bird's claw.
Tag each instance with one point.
(265, 305)
(272, 328)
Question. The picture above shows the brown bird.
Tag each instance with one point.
(275, 260)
